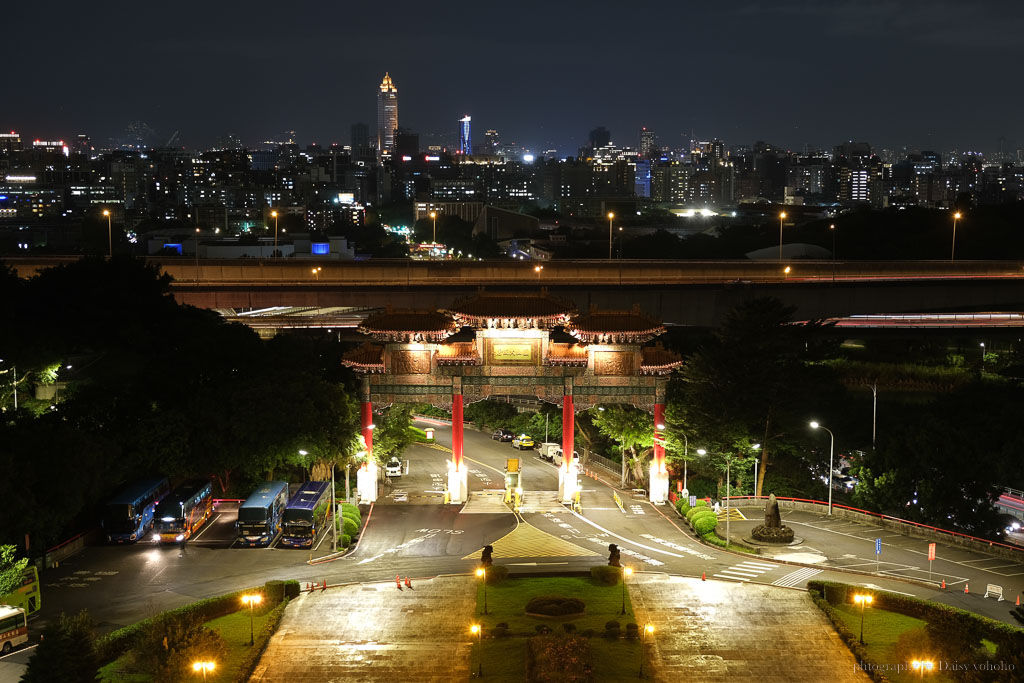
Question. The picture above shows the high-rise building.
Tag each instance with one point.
(465, 140)
(599, 137)
(387, 115)
(491, 142)
(647, 143)
(10, 142)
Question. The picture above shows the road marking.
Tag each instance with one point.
(207, 526)
(623, 538)
(887, 590)
(793, 579)
(676, 546)
(24, 649)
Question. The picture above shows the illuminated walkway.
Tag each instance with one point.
(716, 631)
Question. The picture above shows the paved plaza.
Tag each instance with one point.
(374, 632)
(714, 631)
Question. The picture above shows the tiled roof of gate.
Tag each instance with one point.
(409, 326)
(622, 327)
(566, 354)
(365, 358)
(513, 305)
(659, 361)
(458, 353)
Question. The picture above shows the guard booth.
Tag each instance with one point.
(513, 483)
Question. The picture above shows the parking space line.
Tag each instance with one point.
(207, 526)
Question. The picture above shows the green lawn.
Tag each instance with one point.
(504, 659)
(881, 630)
(233, 628)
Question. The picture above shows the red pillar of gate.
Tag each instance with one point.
(366, 413)
(659, 435)
(568, 430)
(457, 431)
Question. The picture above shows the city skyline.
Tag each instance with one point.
(893, 74)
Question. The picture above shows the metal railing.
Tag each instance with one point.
(606, 463)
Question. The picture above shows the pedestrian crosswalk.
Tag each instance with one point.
(797, 577)
(541, 501)
(745, 571)
(485, 502)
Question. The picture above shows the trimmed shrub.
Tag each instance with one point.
(632, 632)
(613, 633)
(554, 606)
(700, 513)
(292, 588)
(542, 629)
(350, 526)
(704, 524)
(605, 575)
(569, 627)
(589, 633)
(683, 506)
(609, 625)
(346, 540)
(352, 510)
(496, 574)
(500, 631)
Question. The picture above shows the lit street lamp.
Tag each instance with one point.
(274, 214)
(316, 272)
(922, 665)
(478, 631)
(204, 667)
(110, 238)
(197, 254)
(648, 629)
(831, 452)
(952, 251)
(863, 601)
(626, 573)
(833, 229)
(782, 217)
(982, 356)
(252, 601)
(482, 574)
(433, 217)
(611, 216)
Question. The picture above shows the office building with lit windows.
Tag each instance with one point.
(387, 115)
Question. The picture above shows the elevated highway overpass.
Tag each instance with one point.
(678, 292)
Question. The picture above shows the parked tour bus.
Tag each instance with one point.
(183, 511)
(129, 515)
(259, 517)
(13, 628)
(306, 514)
(27, 595)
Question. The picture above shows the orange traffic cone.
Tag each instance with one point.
(1018, 599)
(398, 581)
(943, 584)
(703, 576)
(965, 588)
(408, 583)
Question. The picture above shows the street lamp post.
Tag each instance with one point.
(478, 631)
(433, 217)
(626, 573)
(648, 628)
(252, 601)
(782, 217)
(922, 665)
(197, 254)
(831, 453)
(833, 229)
(755, 447)
(274, 214)
(952, 251)
(316, 272)
(728, 495)
(982, 356)
(204, 667)
(611, 216)
(110, 238)
(482, 574)
(620, 242)
(686, 452)
(863, 601)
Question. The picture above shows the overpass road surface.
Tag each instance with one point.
(421, 537)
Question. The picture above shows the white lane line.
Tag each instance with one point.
(24, 649)
(793, 578)
(733, 570)
(733, 578)
(207, 526)
(759, 565)
(623, 538)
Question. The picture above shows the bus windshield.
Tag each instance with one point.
(119, 518)
(252, 515)
(298, 517)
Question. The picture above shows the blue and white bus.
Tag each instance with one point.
(306, 514)
(259, 517)
(129, 515)
(183, 511)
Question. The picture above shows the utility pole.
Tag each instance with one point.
(334, 513)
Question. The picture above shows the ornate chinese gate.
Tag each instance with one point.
(511, 353)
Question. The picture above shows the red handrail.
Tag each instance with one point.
(889, 517)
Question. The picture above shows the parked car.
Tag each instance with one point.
(393, 468)
(559, 459)
(523, 442)
(503, 435)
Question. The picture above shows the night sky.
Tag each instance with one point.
(932, 74)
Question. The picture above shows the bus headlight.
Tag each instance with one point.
(179, 537)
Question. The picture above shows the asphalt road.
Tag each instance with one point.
(410, 532)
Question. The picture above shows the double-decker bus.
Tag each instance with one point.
(13, 628)
(183, 511)
(259, 517)
(306, 514)
(129, 515)
(27, 595)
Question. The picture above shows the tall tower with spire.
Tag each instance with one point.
(387, 115)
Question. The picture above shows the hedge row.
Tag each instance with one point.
(851, 639)
(117, 643)
(262, 639)
(606, 575)
(683, 505)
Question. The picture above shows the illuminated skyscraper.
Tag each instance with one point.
(465, 142)
(647, 143)
(387, 115)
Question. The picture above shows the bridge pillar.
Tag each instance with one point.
(657, 490)
(458, 472)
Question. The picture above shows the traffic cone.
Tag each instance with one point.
(965, 589)
(1018, 599)
(398, 581)
(943, 584)
(408, 583)
(703, 576)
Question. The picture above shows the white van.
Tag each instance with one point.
(558, 458)
(13, 628)
(393, 468)
(547, 451)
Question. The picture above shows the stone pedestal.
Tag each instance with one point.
(458, 483)
(657, 491)
(568, 482)
(366, 482)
